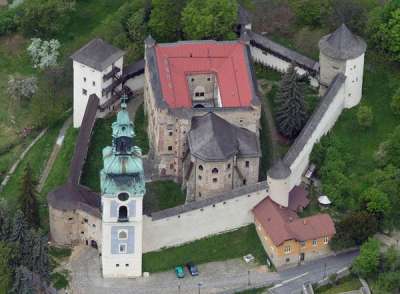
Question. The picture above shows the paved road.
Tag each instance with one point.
(215, 277)
(293, 279)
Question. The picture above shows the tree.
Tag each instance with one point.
(44, 54)
(377, 202)
(308, 12)
(27, 199)
(44, 18)
(137, 29)
(291, 111)
(6, 254)
(23, 281)
(388, 283)
(395, 105)
(367, 263)
(384, 28)
(164, 23)
(40, 256)
(209, 19)
(5, 223)
(20, 88)
(354, 229)
(20, 228)
(365, 116)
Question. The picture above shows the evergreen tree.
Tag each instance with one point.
(291, 111)
(23, 281)
(20, 228)
(5, 223)
(27, 198)
(40, 256)
(6, 257)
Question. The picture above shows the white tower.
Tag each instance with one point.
(278, 183)
(122, 188)
(97, 70)
(343, 52)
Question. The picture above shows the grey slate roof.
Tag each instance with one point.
(314, 120)
(210, 201)
(342, 44)
(288, 54)
(73, 196)
(97, 54)
(279, 170)
(212, 138)
(82, 143)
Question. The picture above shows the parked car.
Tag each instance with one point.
(179, 272)
(192, 268)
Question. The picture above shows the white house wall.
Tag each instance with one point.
(200, 223)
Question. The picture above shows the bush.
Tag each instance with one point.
(8, 23)
(365, 116)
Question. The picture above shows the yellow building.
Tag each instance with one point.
(288, 239)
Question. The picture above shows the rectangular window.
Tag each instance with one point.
(84, 91)
(86, 220)
(314, 242)
(303, 244)
(247, 163)
(169, 148)
(170, 133)
(326, 240)
(287, 249)
(84, 79)
(94, 83)
(117, 265)
(122, 248)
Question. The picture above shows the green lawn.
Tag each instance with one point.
(253, 291)
(229, 245)
(101, 137)
(161, 195)
(346, 284)
(59, 252)
(37, 158)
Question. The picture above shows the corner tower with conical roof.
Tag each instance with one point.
(343, 52)
(122, 190)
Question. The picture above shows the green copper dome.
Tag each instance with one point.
(122, 163)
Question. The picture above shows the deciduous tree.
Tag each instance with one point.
(209, 19)
(365, 116)
(367, 263)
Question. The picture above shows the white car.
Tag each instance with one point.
(248, 258)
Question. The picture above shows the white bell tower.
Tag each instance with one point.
(122, 188)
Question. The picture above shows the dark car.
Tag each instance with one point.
(192, 268)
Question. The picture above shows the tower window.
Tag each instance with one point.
(122, 235)
(169, 148)
(117, 265)
(123, 214)
(84, 79)
(247, 163)
(84, 91)
(122, 248)
(214, 170)
(200, 167)
(215, 180)
(94, 83)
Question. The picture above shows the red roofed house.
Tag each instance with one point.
(203, 111)
(288, 239)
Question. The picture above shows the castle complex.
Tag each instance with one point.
(203, 110)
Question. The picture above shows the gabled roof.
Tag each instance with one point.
(342, 44)
(212, 138)
(282, 224)
(228, 60)
(73, 196)
(97, 54)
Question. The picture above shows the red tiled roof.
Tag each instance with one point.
(282, 224)
(298, 198)
(227, 60)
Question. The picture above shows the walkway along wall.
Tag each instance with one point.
(319, 124)
(196, 220)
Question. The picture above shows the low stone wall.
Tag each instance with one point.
(197, 220)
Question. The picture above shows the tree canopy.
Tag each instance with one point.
(367, 263)
(209, 19)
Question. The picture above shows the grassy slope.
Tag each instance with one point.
(101, 138)
(162, 195)
(346, 284)
(215, 248)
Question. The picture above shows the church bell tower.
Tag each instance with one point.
(122, 190)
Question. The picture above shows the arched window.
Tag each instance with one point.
(123, 196)
(200, 167)
(122, 235)
(123, 214)
(214, 170)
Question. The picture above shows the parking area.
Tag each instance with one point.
(214, 277)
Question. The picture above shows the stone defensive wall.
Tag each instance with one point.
(279, 58)
(321, 121)
(200, 219)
